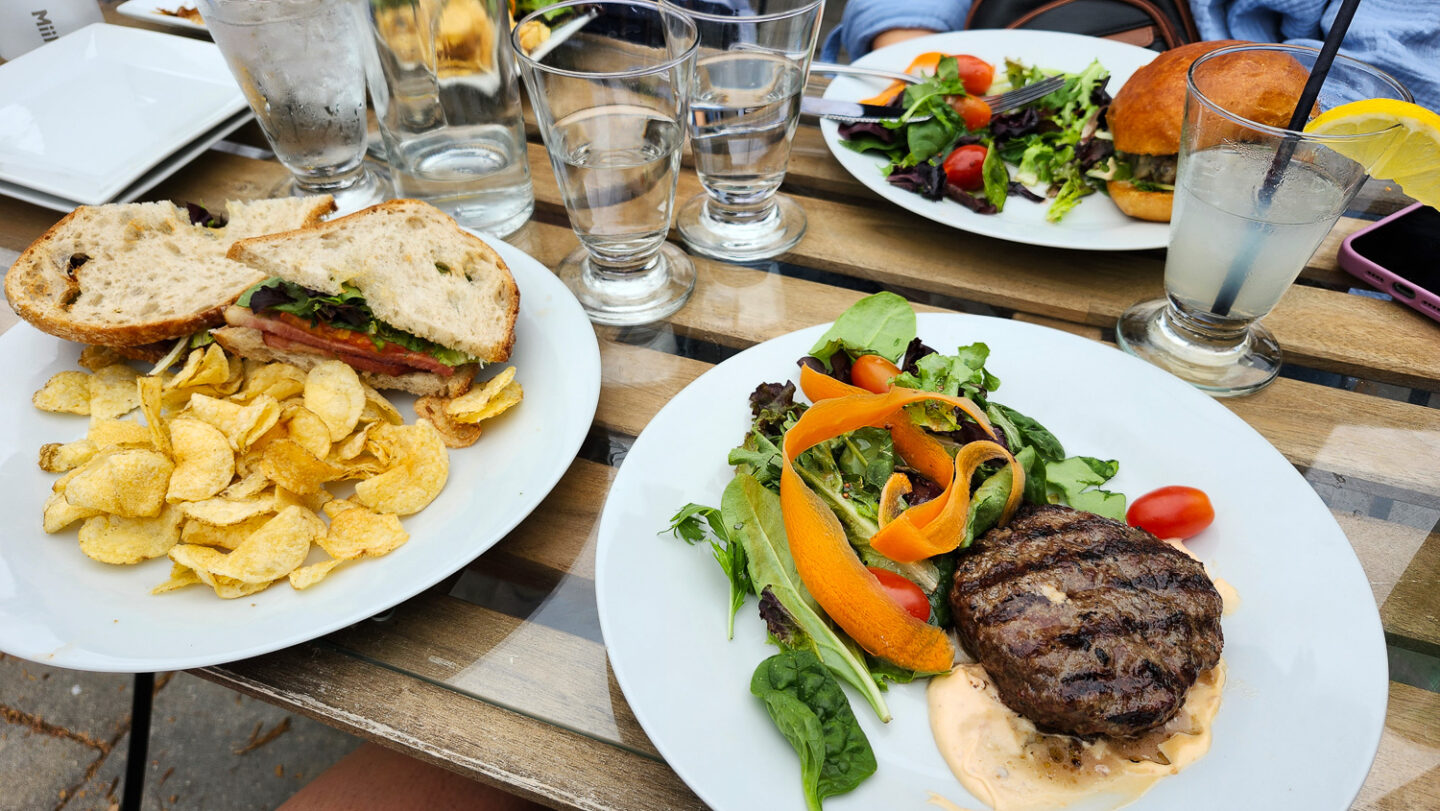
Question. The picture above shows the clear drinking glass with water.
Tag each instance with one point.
(447, 96)
(1252, 203)
(749, 77)
(301, 65)
(610, 93)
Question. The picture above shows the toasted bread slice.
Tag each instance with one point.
(250, 343)
(135, 273)
(415, 267)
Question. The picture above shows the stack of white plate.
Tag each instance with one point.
(104, 114)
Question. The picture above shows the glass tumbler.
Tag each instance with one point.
(1252, 203)
(301, 65)
(447, 97)
(610, 88)
(749, 77)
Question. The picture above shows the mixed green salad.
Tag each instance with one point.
(946, 145)
(872, 347)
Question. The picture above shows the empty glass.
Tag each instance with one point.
(749, 77)
(610, 90)
(301, 65)
(1252, 203)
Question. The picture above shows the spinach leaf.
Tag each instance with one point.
(987, 503)
(867, 455)
(751, 514)
(846, 758)
(1033, 434)
(882, 324)
(1069, 480)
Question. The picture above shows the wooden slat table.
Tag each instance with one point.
(500, 673)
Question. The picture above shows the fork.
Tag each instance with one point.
(1018, 97)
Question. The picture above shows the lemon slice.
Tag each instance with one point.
(1410, 156)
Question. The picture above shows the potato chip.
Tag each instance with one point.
(112, 392)
(310, 501)
(151, 389)
(58, 458)
(204, 462)
(357, 532)
(275, 549)
(353, 446)
(204, 367)
(65, 393)
(279, 380)
(60, 513)
(222, 512)
(227, 588)
(127, 483)
(307, 576)
(378, 409)
(503, 401)
(236, 377)
(473, 401)
(226, 537)
(419, 469)
(247, 486)
(306, 429)
(106, 434)
(333, 391)
(455, 434)
(242, 425)
(125, 541)
(180, 577)
(292, 467)
(96, 358)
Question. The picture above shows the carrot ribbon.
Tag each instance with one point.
(823, 557)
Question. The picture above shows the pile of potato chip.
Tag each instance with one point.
(233, 462)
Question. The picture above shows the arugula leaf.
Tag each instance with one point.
(687, 525)
(812, 712)
(1069, 480)
(882, 324)
(996, 177)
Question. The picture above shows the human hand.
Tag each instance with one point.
(895, 35)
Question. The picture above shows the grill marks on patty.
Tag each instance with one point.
(1087, 626)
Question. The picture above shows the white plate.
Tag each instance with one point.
(1094, 224)
(1305, 702)
(147, 181)
(149, 11)
(59, 607)
(86, 115)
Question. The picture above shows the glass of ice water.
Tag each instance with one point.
(447, 96)
(610, 89)
(301, 65)
(1253, 201)
(749, 77)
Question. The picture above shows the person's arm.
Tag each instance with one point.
(866, 21)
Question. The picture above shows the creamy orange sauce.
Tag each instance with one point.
(1001, 758)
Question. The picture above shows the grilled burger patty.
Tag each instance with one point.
(1087, 626)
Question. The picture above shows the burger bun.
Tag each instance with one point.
(1142, 205)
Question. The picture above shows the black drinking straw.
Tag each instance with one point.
(1235, 278)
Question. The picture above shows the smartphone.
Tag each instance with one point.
(1400, 255)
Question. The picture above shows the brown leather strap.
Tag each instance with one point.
(1163, 26)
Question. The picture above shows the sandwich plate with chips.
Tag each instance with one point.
(417, 511)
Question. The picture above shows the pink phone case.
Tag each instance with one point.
(1403, 291)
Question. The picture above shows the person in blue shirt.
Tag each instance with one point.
(1401, 37)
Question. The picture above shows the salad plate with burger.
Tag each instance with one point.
(913, 561)
(1037, 175)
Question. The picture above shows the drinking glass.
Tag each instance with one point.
(301, 65)
(447, 97)
(610, 89)
(749, 77)
(1246, 219)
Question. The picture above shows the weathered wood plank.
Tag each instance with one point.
(1406, 774)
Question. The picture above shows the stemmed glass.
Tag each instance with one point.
(301, 65)
(610, 90)
(749, 77)
(1252, 203)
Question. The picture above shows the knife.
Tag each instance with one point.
(849, 110)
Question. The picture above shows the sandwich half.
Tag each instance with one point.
(398, 291)
(139, 276)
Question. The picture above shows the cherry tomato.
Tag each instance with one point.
(963, 167)
(904, 592)
(1172, 512)
(873, 373)
(975, 112)
(975, 73)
